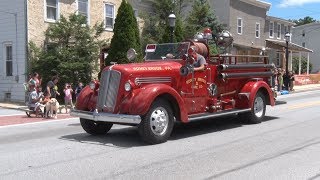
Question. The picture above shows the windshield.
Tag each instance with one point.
(166, 51)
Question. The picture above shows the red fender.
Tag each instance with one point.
(84, 98)
(142, 98)
(253, 87)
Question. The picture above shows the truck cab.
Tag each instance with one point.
(153, 95)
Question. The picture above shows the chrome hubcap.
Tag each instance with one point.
(159, 120)
(258, 106)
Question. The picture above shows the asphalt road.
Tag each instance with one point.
(285, 146)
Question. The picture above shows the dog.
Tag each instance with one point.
(52, 108)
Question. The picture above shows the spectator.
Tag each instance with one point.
(52, 88)
(34, 81)
(34, 100)
(280, 79)
(78, 89)
(68, 96)
(291, 80)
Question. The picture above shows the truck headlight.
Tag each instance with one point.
(127, 86)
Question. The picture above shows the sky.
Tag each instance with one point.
(294, 9)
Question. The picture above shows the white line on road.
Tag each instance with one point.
(39, 122)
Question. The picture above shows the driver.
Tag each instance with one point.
(199, 61)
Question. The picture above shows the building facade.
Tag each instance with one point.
(254, 31)
(275, 30)
(246, 20)
(308, 36)
(13, 40)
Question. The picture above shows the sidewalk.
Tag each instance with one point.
(22, 106)
(301, 88)
(307, 87)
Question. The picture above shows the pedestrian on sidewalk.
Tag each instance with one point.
(51, 88)
(280, 79)
(68, 97)
(78, 89)
(291, 81)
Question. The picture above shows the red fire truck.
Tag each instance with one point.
(153, 95)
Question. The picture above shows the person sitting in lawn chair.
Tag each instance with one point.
(34, 101)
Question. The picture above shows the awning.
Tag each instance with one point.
(242, 46)
(276, 44)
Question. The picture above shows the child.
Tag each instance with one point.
(68, 96)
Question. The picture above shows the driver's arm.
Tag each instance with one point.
(201, 68)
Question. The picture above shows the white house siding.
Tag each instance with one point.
(12, 86)
(311, 40)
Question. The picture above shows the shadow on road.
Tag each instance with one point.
(129, 137)
(208, 126)
(124, 137)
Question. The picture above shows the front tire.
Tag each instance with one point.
(156, 126)
(258, 110)
(95, 128)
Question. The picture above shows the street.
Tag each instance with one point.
(285, 146)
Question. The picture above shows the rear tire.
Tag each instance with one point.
(95, 128)
(258, 110)
(156, 126)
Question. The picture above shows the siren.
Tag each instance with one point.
(151, 48)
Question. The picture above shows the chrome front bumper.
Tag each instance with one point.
(107, 117)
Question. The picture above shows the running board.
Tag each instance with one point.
(202, 116)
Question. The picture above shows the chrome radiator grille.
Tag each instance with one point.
(108, 90)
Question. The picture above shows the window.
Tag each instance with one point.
(278, 31)
(278, 59)
(83, 8)
(271, 28)
(303, 44)
(109, 16)
(239, 25)
(52, 10)
(257, 30)
(136, 13)
(285, 31)
(8, 59)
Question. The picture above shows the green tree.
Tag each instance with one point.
(156, 28)
(72, 48)
(126, 35)
(302, 21)
(179, 30)
(304, 63)
(201, 16)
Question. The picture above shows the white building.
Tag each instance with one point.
(13, 54)
(308, 36)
